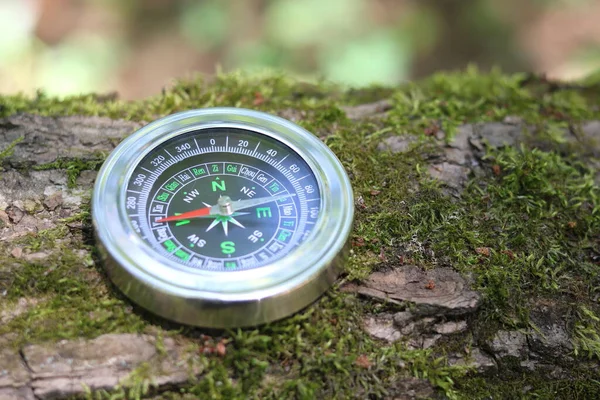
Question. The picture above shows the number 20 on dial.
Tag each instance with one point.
(222, 217)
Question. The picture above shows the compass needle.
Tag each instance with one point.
(236, 222)
(225, 226)
(212, 225)
(281, 197)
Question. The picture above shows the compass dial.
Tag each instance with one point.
(264, 199)
(222, 217)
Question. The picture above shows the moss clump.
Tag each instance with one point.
(72, 167)
(587, 333)
(537, 221)
(6, 152)
(449, 100)
(76, 301)
(536, 213)
(234, 90)
(534, 386)
(314, 355)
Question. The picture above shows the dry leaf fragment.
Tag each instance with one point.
(17, 252)
(221, 349)
(382, 256)
(363, 361)
(358, 242)
(484, 251)
(509, 254)
(258, 99)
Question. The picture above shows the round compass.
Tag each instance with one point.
(222, 217)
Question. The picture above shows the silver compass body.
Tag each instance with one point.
(222, 217)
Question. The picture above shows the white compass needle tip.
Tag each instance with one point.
(242, 204)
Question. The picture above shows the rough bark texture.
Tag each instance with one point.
(437, 292)
(45, 186)
(69, 368)
(46, 140)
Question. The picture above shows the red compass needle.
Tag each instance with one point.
(201, 212)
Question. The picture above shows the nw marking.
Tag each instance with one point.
(191, 196)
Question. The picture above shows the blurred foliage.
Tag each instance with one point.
(205, 24)
(137, 46)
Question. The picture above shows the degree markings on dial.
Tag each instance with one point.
(252, 153)
(262, 157)
(280, 161)
(277, 166)
(305, 176)
(186, 154)
(154, 228)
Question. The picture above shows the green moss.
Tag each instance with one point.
(7, 152)
(449, 100)
(77, 301)
(587, 333)
(314, 355)
(268, 92)
(370, 94)
(72, 167)
(531, 387)
(9, 149)
(525, 217)
(539, 217)
(137, 385)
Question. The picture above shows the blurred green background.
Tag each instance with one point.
(137, 47)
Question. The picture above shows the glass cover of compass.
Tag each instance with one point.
(222, 217)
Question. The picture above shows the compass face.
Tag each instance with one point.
(222, 217)
(258, 199)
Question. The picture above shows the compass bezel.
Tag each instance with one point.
(222, 298)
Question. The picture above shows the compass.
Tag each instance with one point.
(222, 217)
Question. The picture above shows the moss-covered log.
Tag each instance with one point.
(474, 269)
